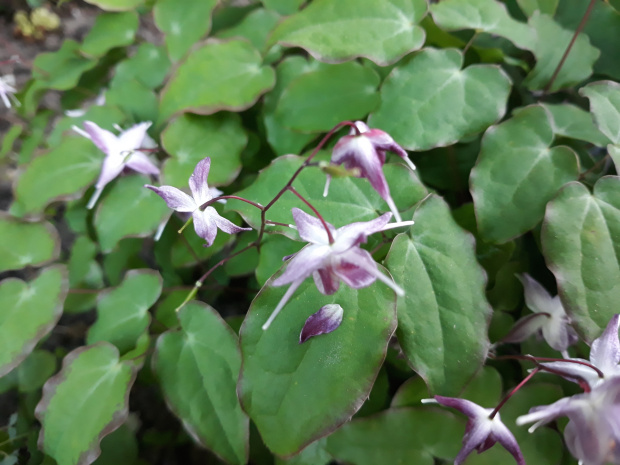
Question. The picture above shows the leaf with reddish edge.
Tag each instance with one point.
(30, 310)
(197, 369)
(84, 402)
(444, 315)
(298, 393)
(580, 244)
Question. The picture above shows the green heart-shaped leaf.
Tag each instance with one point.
(122, 313)
(349, 199)
(296, 393)
(518, 173)
(190, 138)
(318, 100)
(580, 245)
(575, 123)
(128, 210)
(429, 101)
(198, 368)
(550, 45)
(29, 311)
(62, 173)
(26, 244)
(231, 78)
(444, 315)
(604, 99)
(403, 435)
(61, 70)
(110, 30)
(255, 27)
(149, 65)
(183, 26)
(340, 30)
(85, 401)
(482, 16)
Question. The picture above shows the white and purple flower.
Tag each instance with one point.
(364, 149)
(481, 431)
(121, 152)
(332, 261)
(326, 320)
(549, 318)
(7, 89)
(207, 221)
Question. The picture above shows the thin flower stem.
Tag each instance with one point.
(513, 392)
(594, 167)
(192, 252)
(234, 197)
(471, 41)
(315, 211)
(275, 223)
(580, 27)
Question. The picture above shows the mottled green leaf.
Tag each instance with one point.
(85, 401)
(443, 317)
(119, 447)
(61, 70)
(575, 123)
(284, 7)
(30, 310)
(349, 199)
(529, 7)
(122, 313)
(296, 393)
(398, 436)
(340, 30)
(482, 16)
(255, 27)
(231, 78)
(604, 99)
(149, 65)
(136, 100)
(62, 173)
(109, 31)
(190, 138)
(283, 140)
(314, 454)
(518, 173)
(318, 100)
(198, 368)
(550, 45)
(128, 210)
(26, 244)
(183, 26)
(85, 276)
(581, 247)
(429, 101)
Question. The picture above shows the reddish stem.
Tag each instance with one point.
(580, 27)
(233, 197)
(513, 392)
(531, 358)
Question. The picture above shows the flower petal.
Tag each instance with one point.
(132, 138)
(174, 198)
(105, 141)
(326, 281)
(303, 264)
(310, 228)
(383, 141)
(205, 226)
(326, 320)
(558, 333)
(225, 225)
(478, 433)
(525, 327)
(574, 372)
(467, 407)
(139, 162)
(605, 351)
(198, 181)
(537, 298)
(356, 233)
(356, 268)
(503, 435)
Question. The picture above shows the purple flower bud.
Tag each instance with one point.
(326, 320)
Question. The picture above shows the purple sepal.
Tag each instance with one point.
(326, 320)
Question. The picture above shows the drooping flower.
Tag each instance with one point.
(365, 149)
(7, 89)
(332, 262)
(482, 431)
(593, 433)
(549, 317)
(326, 320)
(604, 355)
(207, 221)
(120, 151)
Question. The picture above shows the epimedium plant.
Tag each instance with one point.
(313, 296)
